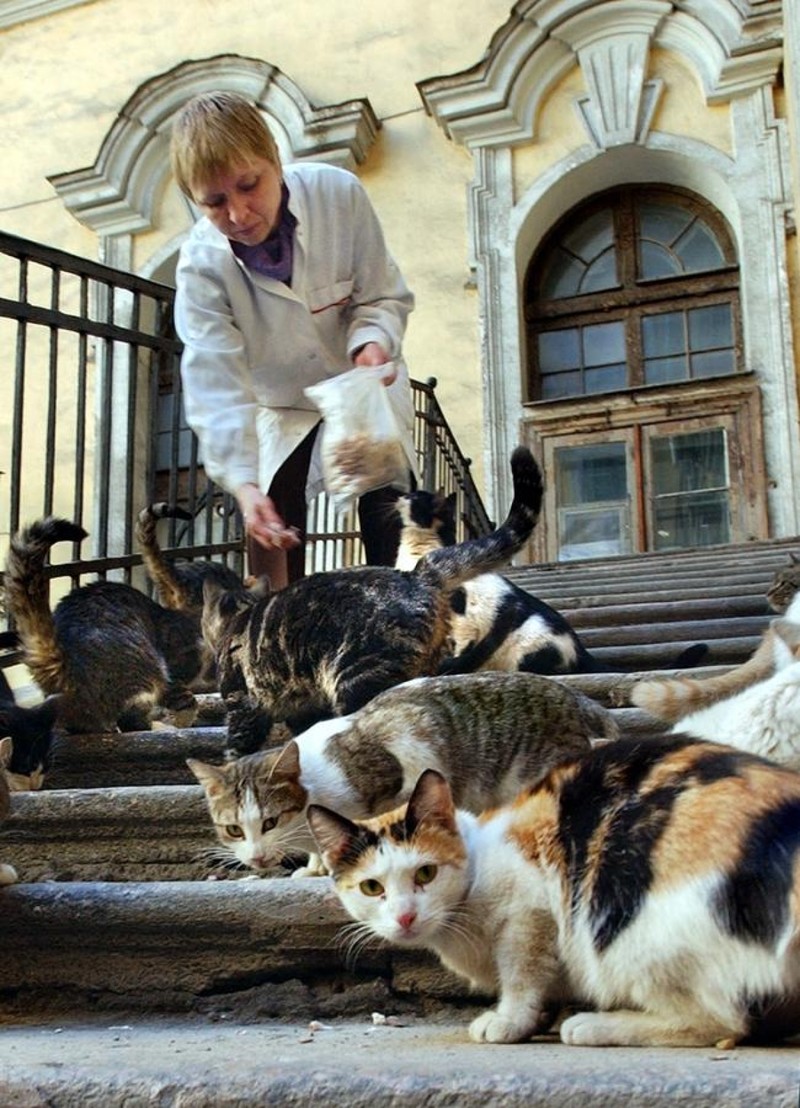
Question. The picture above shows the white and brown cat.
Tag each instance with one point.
(654, 885)
(754, 706)
(490, 733)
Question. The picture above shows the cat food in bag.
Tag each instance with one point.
(362, 446)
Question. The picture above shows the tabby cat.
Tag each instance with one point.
(26, 737)
(655, 882)
(328, 643)
(8, 875)
(495, 624)
(489, 733)
(111, 651)
(179, 585)
(672, 699)
(762, 717)
(784, 585)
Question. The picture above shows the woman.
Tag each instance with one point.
(284, 282)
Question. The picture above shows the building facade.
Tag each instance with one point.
(594, 203)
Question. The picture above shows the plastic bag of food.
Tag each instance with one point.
(363, 443)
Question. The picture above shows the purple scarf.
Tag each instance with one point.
(273, 257)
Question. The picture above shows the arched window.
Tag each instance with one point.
(637, 397)
(639, 286)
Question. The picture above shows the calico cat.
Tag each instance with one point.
(179, 585)
(26, 738)
(655, 882)
(8, 875)
(672, 699)
(326, 644)
(489, 733)
(784, 585)
(495, 625)
(110, 650)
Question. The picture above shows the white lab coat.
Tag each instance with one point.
(252, 344)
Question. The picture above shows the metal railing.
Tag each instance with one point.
(91, 425)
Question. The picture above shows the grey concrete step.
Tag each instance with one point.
(185, 1062)
(150, 833)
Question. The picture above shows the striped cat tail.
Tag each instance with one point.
(27, 594)
(171, 590)
(453, 565)
(672, 698)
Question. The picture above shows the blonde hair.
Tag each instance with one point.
(214, 132)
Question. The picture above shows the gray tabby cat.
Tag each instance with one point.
(330, 642)
(489, 733)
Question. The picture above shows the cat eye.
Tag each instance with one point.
(268, 824)
(234, 831)
(425, 874)
(371, 887)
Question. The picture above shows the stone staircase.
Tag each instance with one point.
(120, 909)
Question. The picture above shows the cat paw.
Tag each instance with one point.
(8, 875)
(491, 1027)
(592, 1029)
(315, 867)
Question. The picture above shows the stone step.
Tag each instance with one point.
(145, 832)
(418, 1061)
(151, 833)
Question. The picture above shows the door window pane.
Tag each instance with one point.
(690, 489)
(592, 498)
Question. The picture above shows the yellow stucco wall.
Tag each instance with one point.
(65, 77)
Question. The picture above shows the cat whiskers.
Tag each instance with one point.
(352, 939)
(217, 857)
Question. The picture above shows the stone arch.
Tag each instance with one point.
(116, 195)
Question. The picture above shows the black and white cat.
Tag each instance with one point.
(495, 624)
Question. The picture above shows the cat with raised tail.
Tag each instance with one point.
(489, 733)
(328, 643)
(110, 650)
(754, 706)
(495, 625)
(178, 585)
(654, 883)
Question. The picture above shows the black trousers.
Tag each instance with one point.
(378, 522)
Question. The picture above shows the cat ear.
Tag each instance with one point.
(431, 803)
(6, 749)
(287, 764)
(212, 778)
(333, 834)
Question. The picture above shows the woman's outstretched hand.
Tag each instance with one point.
(262, 522)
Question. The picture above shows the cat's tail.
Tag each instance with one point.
(453, 565)
(171, 589)
(27, 595)
(672, 698)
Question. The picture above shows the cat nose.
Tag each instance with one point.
(406, 920)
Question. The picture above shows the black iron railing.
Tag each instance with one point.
(91, 424)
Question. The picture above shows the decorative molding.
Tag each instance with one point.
(117, 194)
(13, 12)
(733, 47)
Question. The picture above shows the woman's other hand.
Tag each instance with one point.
(262, 522)
(374, 354)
